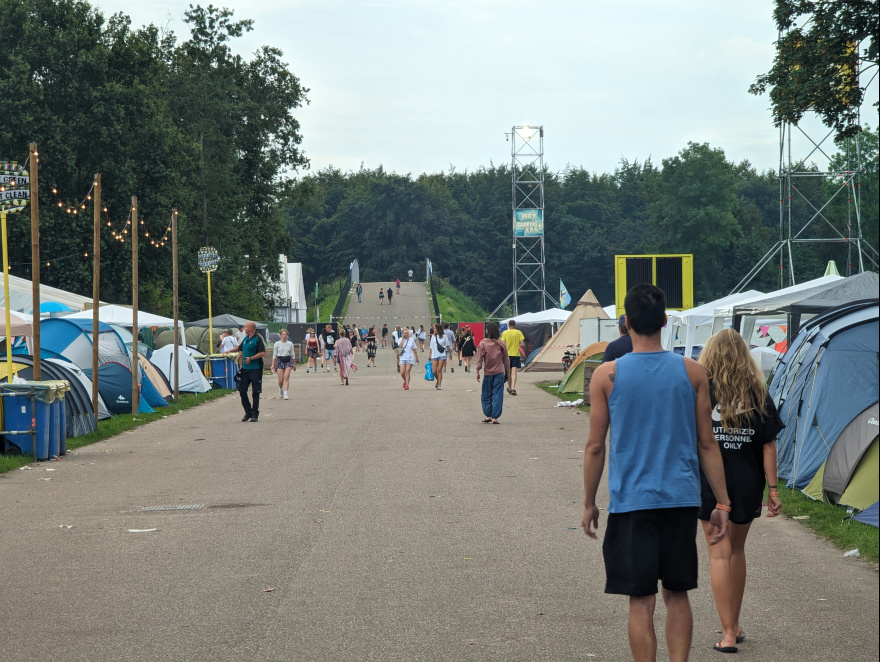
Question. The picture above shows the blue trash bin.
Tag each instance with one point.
(62, 406)
(223, 371)
(54, 427)
(17, 418)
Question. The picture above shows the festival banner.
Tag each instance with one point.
(528, 222)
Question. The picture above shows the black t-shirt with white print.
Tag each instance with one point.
(742, 450)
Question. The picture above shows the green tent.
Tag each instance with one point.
(850, 475)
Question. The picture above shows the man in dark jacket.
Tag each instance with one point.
(621, 346)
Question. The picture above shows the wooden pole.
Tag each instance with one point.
(96, 291)
(8, 339)
(176, 306)
(35, 256)
(135, 365)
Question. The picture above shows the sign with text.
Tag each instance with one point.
(528, 222)
(15, 190)
(208, 259)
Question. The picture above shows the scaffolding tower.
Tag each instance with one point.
(527, 179)
(797, 149)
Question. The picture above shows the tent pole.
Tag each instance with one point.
(135, 365)
(35, 256)
(176, 305)
(7, 339)
(96, 291)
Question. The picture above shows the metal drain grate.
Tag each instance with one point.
(154, 509)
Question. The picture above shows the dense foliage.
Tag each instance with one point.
(177, 123)
(817, 60)
(697, 202)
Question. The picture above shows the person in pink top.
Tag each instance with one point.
(345, 358)
(398, 286)
(493, 358)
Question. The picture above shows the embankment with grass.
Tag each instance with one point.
(455, 306)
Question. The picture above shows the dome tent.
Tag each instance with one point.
(828, 378)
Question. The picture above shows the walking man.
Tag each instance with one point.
(385, 335)
(329, 338)
(621, 346)
(516, 345)
(360, 290)
(252, 350)
(450, 344)
(658, 407)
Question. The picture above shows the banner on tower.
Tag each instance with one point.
(528, 222)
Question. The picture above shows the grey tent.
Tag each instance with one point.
(814, 300)
(230, 322)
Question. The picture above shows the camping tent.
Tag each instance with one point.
(553, 316)
(573, 382)
(682, 324)
(813, 300)
(156, 377)
(21, 324)
(21, 291)
(191, 378)
(229, 322)
(114, 384)
(71, 339)
(85, 386)
(549, 359)
(849, 475)
(827, 378)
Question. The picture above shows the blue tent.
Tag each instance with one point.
(828, 376)
(869, 515)
(148, 391)
(114, 385)
(53, 307)
(71, 339)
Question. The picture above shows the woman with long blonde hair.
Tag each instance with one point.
(745, 423)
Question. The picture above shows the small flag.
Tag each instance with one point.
(564, 296)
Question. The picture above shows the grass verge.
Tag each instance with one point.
(456, 306)
(833, 523)
(549, 387)
(119, 424)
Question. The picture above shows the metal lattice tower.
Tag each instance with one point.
(527, 179)
(797, 149)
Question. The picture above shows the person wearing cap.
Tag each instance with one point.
(621, 346)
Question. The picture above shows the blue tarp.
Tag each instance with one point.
(869, 515)
(114, 385)
(827, 377)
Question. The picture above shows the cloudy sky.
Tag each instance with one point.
(419, 86)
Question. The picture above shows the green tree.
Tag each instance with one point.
(692, 209)
(816, 65)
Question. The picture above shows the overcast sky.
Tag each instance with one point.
(419, 86)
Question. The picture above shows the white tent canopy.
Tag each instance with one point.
(686, 321)
(726, 310)
(191, 378)
(21, 291)
(112, 314)
(553, 315)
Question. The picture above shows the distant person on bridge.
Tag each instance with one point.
(493, 357)
(359, 290)
(397, 284)
(390, 294)
(409, 273)
(408, 356)
(381, 296)
(516, 344)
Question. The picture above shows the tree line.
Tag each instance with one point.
(697, 201)
(179, 123)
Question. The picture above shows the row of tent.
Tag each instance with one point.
(66, 353)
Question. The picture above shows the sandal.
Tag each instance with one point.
(725, 649)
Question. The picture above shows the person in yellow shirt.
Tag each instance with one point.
(516, 345)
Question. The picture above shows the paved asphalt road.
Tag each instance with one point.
(365, 523)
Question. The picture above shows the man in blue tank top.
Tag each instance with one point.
(658, 407)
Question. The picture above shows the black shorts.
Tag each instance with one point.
(515, 362)
(646, 546)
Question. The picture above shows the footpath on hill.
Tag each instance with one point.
(366, 522)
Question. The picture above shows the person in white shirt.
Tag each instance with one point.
(227, 343)
(408, 356)
(439, 349)
(283, 362)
